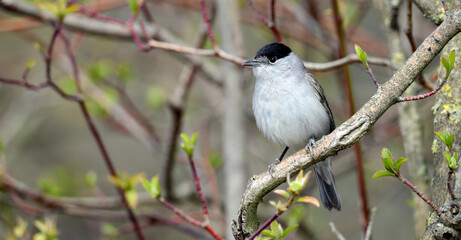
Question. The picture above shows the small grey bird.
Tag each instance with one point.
(290, 109)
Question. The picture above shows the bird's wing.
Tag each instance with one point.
(318, 90)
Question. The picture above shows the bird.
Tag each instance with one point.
(291, 109)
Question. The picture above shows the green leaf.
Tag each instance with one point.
(268, 233)
(188, 144)
(282, 193)
(454, 161)
(125, 73)
(288, 230)
(152, 187)
(20, 229)
(31, 64)
(49, 187)
(68, 85)
(91, 178)
(382, 173)
(215, 159)
(399, 162)
(131, 197)
(442, 136)
(276, 229)
(388, 159)
(109, 230)
(447, 157)
(273, 203)
(451, 58)
(156, 191)
(1, 146)
(308, 199)
(71, 9)
(100, 71)
(134, 6)
(155, 97)
(361, 55)
(449, 141)
(446, 65)
(387, 154)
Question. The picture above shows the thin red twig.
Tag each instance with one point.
(271, 24)
(189, 219)
(199, 189)
(206, 19)
(264, 226)
(450, 190)
(97, 137)
(411, 40)
(422, 96)
(370, 72)
(421, 195)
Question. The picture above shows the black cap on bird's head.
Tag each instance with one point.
(271, 52)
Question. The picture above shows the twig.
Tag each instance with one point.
(206, 20)
(197, 51)
(420, 194)
(188, 219)
(271, 24)
(347, 86)
(450, 190)
(97, 137)
(336, 232)
(176, 105)
(411, 40)
(264, 226)
(370, 225)
(351, 58)
(273, 11)
(199, 190)
(422, 96)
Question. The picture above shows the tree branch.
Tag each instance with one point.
(350, 131)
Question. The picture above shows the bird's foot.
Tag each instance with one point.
(309, 147)
(271, 166)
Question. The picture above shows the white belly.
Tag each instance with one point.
(290, 118)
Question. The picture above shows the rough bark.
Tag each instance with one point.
(432, 10)
(447, 111)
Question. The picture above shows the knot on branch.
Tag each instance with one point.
(450, 214)
(442, 232)
(353, 130)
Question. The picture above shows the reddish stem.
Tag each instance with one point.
(450, 190)
(422, 96)
(420, 194)
(273, 11)
(270, 25)
(199, 188)
(135, 36)
(190, 220)
(264, 226)
(206, 19)
(370, 72)
(95, 133)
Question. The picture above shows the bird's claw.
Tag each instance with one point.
(271, 167)
(309, 147)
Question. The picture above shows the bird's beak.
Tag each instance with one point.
(251, 63)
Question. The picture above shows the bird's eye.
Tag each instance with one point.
(272, 59)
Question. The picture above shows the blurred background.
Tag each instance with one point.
(136, 101)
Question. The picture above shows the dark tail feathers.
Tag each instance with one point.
(327, 187)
